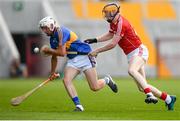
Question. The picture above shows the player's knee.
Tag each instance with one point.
(131, 71)
(66, 81)
(141, 90)
(94, 88)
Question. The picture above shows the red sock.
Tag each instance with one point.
(163, 95)
(147, 90)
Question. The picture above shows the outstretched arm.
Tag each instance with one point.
(102, 38)
(109, 46)
(105, 37)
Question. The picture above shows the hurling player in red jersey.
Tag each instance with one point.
(122, 33)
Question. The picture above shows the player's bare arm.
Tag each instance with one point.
(107, 47)
(53, 67)
(60, 51)
(53, 63)
(105, 37)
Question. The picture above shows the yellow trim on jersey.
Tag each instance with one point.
(73, 37)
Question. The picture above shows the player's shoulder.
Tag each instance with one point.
(125, 22)
(63, 28)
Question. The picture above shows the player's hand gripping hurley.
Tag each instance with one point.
(18, 100)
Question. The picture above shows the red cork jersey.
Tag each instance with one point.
(128, 40)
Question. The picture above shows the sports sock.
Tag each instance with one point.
(166, 97)
(76, 100)
(81, 107)
(147, 91)
(106, 79)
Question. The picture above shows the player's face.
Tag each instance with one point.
(108, 16)
(47, 31)
(116, 18)
(109, 12)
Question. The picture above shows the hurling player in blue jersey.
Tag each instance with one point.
(62, 41)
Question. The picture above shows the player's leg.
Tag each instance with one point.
(139, 87)
(95, 84)
(169, 100)
(142, 72)
(69, 74)
(154, 90)
(134, 67)
(147, 100)
(93, 81)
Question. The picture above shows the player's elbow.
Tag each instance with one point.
(112, 45)
(61, 54)
(110, 35)
(94, 88)
(54, 58)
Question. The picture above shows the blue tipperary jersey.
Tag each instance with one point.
(70, 40)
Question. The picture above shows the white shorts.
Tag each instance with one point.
(82, 62)
(141, 51)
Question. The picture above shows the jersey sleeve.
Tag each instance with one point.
(119, 33)
(119, 29)
(65, 35)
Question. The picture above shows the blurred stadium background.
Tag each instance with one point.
(156, 21)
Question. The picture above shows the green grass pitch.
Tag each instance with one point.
(52, 101)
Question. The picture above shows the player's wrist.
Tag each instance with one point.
(90, 41)
(97, 51)
(52, 73)
(95, 40)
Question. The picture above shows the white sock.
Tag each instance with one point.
(80, 106)
(150, 93)
(168, 99)
(106, 79)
